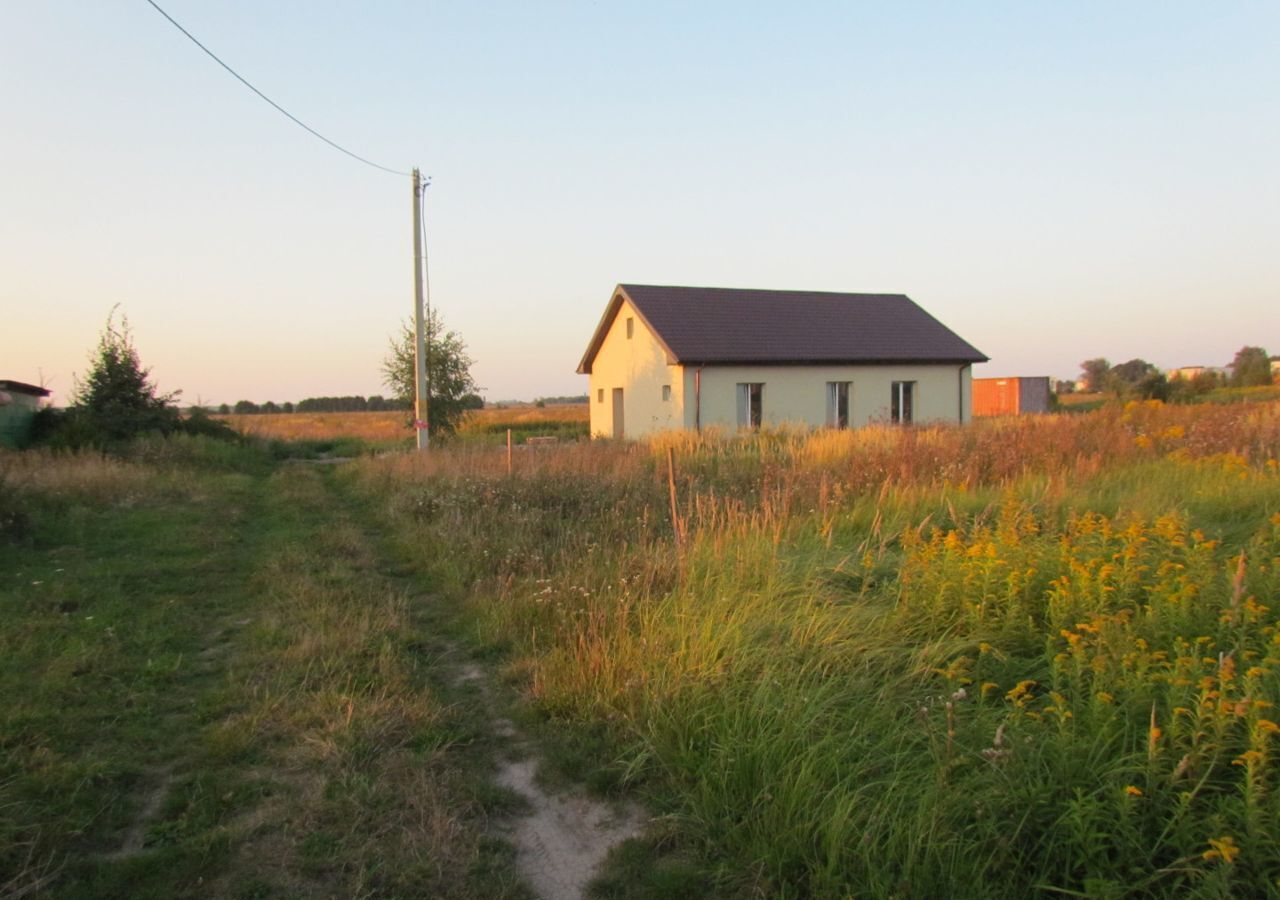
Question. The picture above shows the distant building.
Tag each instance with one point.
(19, 402)
(683, 357)
(1010, 396)
(1189, 372)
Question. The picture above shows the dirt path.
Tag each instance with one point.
(561, 838)
(564, 838)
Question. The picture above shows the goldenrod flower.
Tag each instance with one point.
(1223, 848)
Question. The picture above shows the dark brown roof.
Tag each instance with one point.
(725, 325)
(21, 387)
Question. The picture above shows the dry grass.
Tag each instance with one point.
(527, 415)
(84, 475)
(367, 426)
(393, 426)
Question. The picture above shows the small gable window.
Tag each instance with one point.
(599, 395)
(666, 392)
(631, 327)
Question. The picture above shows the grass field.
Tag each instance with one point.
(1030, 657)
(217, 686)
(1034, 656)
(373, 427)
(386, 430)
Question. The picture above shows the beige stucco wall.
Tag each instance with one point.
(797, 394)
(639, 367)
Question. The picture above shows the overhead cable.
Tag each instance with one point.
(274, 104)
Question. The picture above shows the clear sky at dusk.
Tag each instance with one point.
(1053, 181)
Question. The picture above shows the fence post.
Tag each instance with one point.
(671, 488)
(508, 452)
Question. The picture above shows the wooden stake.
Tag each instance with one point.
(671, 487)
(508, 452)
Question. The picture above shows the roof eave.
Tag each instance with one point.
(22, 387)
(931, 361)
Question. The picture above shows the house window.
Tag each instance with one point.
(666, 392)
(631, 327)
(750, 404)
(902, 402)
(599, 395)
(838, 403)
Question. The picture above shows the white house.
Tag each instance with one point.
(683, 357)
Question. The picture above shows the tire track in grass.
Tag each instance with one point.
(367, 787)
(561, 838)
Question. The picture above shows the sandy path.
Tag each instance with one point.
(562, 838)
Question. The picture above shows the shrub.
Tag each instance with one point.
(118, 400)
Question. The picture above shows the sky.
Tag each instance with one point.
(1053, 181)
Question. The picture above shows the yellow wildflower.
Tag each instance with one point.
(1020, 693)
(1133, 791)
(1223, 848)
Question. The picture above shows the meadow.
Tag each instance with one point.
(1031, 656)
(341, 432)
(1028, 657)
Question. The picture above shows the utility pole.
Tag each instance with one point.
(420, 404)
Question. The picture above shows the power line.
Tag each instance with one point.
(277, 106)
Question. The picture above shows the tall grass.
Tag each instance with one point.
(1027, 655)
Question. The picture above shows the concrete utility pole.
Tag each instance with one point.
(420, 404)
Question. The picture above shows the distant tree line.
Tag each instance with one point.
(376, 403)
(1139, 379)
(312, 404)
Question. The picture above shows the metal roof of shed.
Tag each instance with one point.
(21, 387)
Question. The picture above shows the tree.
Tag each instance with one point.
(1188, 390)
(1251, 367)
(245, 407)
(224, 410)
(1139, 378)
(1096, 374)
(448, 373)
(117, 399)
